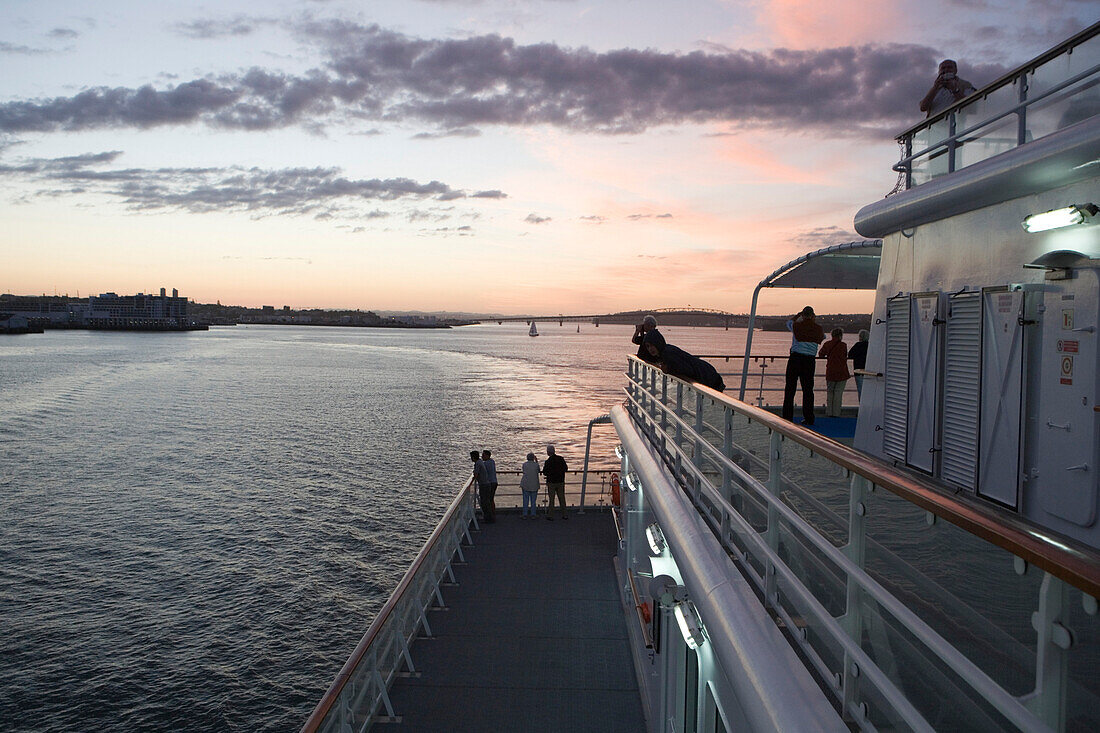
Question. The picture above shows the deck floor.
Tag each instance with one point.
(534, 636)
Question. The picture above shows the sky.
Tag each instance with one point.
(497, 156)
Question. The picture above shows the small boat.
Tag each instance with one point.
(534, 331)
(578, 328)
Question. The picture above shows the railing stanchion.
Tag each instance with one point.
(697, 448)
(775, 486)
(856, 551)
(1051, 657)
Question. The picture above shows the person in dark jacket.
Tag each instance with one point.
(647, 331)
(679, 363)
(858, 355)
(554, 469)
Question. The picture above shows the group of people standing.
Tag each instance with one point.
(554, 469)
(806, 334)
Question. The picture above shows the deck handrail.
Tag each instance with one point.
(316, 718)
(951, 143)
(1062, 557)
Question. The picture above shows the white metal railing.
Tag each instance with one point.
(917, 609)
(360, 690)
(1051, 92)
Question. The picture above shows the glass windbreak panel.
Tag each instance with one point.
(1068, 106)
(986, 140)
(931, 164)
(826, 647)
(818, 490)
(943, 698)
(1083, 695)
(1064, 108)
(991, 140)
(825, 581)
(965, 589)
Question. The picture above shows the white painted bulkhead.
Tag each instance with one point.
(1032, 375)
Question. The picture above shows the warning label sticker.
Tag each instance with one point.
(1066, 346)
(1067, 319)
(1067, 370)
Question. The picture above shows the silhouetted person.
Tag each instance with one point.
(858, 355)
(647, 330)
(529, 485)
(554, 469)
(835, 352)
(806, 335)
(491, 479)
(946, 90)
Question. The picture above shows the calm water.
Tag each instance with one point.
(197, 528)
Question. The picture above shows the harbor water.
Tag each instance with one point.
(198, 527)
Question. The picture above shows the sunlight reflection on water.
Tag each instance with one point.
(199, 527)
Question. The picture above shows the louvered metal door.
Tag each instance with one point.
(896, 398)
(962, 389)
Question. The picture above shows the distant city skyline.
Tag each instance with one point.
(479, 156)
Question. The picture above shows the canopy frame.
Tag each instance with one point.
(803, 272)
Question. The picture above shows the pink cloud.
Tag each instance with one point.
(804, 24)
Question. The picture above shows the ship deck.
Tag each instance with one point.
(533, 637)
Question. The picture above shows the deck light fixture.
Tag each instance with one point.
(656, 537)
(631, 482)
(1068, 216)
(690, 625)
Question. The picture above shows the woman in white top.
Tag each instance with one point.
(529, 482)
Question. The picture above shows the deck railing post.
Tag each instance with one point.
(775, 487)
(1051, 657)
(1021, 115)
(697, 448)
(856, 551)
(679, 428)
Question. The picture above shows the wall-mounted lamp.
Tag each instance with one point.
(1070, 215)
(690, 625)
(656, 537)
(632, 482)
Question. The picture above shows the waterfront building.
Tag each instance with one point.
(109, 310)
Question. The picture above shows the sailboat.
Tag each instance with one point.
(534, 331)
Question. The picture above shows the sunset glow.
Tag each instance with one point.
(465, 155)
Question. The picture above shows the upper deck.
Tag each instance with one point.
(1047, 94)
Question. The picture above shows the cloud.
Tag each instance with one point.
(594, 219)
(457, 132)
(818, 237)
(65, 33)
(536, 219)
(207, 28)
(637, 217)
(14, 49)
(492, 194)
(324, 193)
(376, 76)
